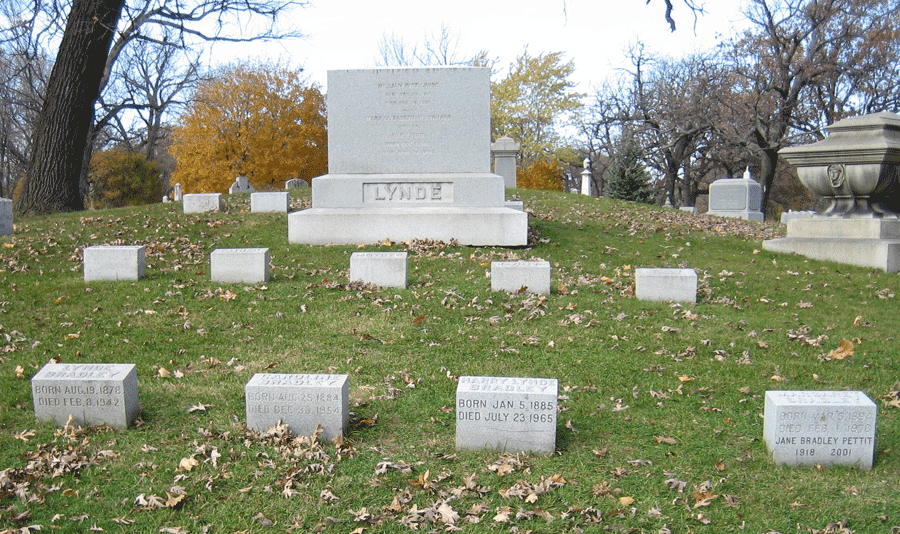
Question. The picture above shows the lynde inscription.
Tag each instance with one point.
(407, 193)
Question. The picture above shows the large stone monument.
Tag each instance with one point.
(855, 169)
(408, 158)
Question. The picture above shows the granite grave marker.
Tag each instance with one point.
(91, 393)
(506, 414)
(301, 401)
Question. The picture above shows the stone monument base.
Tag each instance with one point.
(478, 226)
(865, 242)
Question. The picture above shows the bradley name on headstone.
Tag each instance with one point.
(92, 394)
(302, 401)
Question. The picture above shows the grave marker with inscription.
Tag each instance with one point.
(506, 414)
(384, 269)
(820, 428)
(91, 393)
(301, 401)
(409, 158)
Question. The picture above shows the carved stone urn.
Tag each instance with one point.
(855, 168)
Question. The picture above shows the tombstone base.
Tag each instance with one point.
(479, 226)
(864, 242)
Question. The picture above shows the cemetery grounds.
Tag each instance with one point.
(660, 421)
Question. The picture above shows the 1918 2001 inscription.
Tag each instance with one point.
(820, 427)
(407, 192)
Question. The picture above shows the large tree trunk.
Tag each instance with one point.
(52, 183)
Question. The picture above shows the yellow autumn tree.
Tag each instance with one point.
(264, 122)
(543, 174)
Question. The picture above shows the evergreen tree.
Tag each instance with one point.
(627, 177)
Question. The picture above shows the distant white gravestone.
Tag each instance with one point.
(736, 197)
(409, 158)
(241, 185)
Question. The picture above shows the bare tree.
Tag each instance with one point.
(179, 24)
(806, 63)
(436, 48)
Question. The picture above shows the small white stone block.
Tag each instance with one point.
(301, 401)
(239, 265)
(513, 276)
(92, 394)
(270, 201)
(506, 414)
(108, 262)
(383, 269)
(6, 216)
(202, 202)
(820, 428)
(675, 285)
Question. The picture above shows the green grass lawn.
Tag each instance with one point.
(660, 422)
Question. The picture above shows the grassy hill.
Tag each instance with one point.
(660, 428)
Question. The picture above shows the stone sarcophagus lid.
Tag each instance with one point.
(855, 167)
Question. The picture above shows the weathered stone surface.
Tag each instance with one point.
(506, 414)
(383, 269)
(202, 202)
(6, 216)
(91, 393)
(513, 276)
(505, 151)
(301, 401)
(241, 185)
(239, 265)
(270, 201)
(676, 285)
(736, 197)
(820, 428)
(295, 183)
(108, 262)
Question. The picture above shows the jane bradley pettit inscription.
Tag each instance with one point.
(92, 394)
(506, 413)
(820, 427)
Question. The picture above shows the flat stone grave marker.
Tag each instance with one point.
(270, 201)
(301, 401)
(202, 202)
(515, 276)
(506, 414)
(820, 428)
(6, 216)
(383, 269)
(113, 262)
(91, 393)
(239, 265)
(665, 285)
